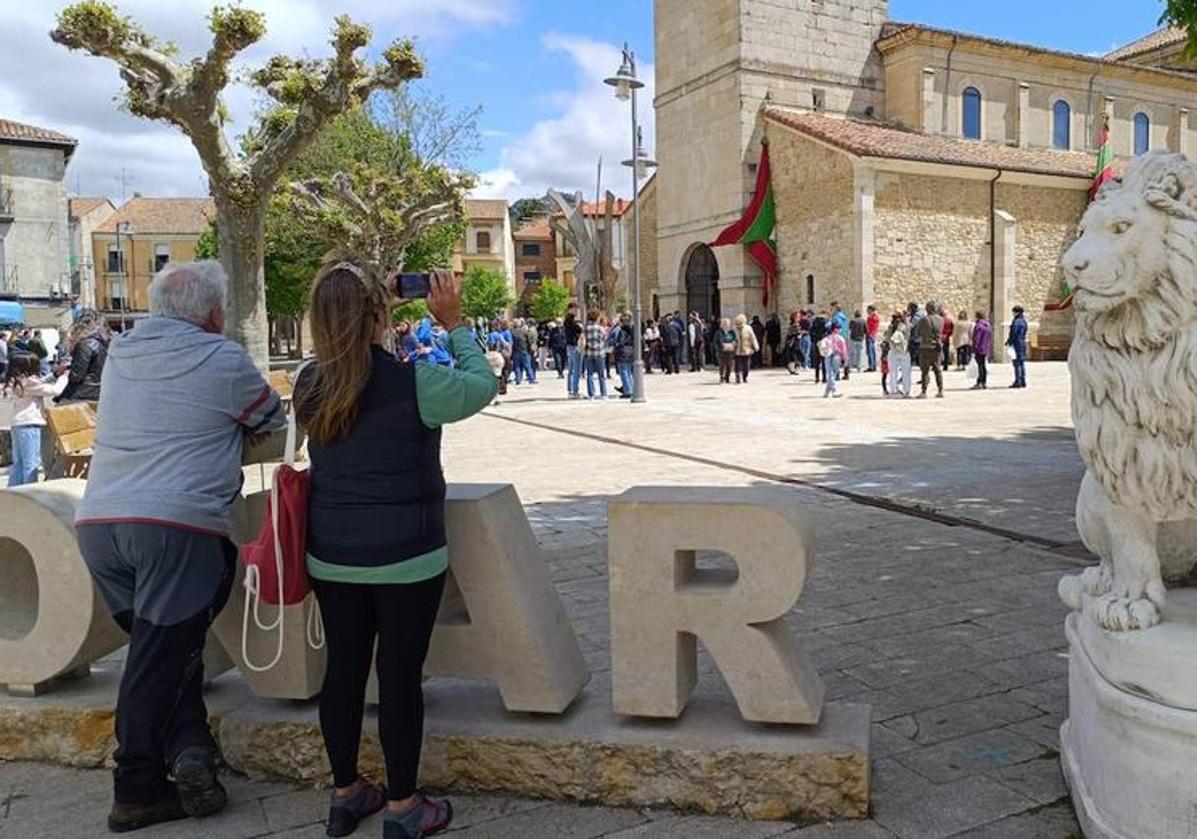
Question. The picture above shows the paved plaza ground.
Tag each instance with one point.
(942, 529)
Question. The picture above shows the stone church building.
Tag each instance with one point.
(909, 162)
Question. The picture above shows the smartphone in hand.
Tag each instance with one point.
(411, 285)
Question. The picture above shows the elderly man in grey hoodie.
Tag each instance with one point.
(176, 403)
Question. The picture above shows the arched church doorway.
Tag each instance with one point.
(702, 282)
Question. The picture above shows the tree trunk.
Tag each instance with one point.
(299, 334)
(242, 230)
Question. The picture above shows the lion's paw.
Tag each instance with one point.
(1120, 614)
(1098, 580)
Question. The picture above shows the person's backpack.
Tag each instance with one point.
(826, 347)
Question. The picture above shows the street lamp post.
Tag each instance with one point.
(626, 84)
(125, 227)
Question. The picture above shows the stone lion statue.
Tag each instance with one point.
(1133, 362)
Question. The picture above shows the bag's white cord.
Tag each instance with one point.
(315, 625)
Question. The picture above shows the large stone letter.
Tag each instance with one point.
(52, 619)
(661, 603)
(501, 618)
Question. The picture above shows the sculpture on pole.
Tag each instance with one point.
(595, 271)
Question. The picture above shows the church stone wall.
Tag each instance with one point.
(1047, 219)
(931, 242)
(813, 189)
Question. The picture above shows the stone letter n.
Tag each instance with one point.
(660, 603)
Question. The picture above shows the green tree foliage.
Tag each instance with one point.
(434, 248)
(383, 183)
(550, 301)
(412, 311)
(523, 209)
(485, 293)
(1183, 15)
(208, 246)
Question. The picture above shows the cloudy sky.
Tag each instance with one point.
(535, 67)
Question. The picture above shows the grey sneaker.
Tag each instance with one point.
(424, 818)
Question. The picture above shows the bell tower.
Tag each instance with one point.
(716, 62)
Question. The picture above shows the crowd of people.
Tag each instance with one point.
(829, 342)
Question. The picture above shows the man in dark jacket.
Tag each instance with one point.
(929, 330)
(818, 331)
(1017, 342)
(672, 335)
(758, 329)
(556, 344)
(773, 339)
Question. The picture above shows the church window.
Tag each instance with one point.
(810, 288)
(1061, 125)
(1142, 133)
(972, 114)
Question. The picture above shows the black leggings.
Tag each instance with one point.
(401, 617)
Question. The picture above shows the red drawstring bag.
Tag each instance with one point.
(276, 559)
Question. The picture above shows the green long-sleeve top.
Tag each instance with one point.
(444, 395)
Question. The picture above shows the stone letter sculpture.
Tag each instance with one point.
(660, 603)
(1134, 389)
(52, 619)
(501, 618)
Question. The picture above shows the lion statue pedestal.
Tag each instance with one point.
(1129, 746)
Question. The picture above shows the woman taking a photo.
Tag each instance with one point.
(376, 528)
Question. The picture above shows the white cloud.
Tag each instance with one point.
(563, 151)
(46, 85)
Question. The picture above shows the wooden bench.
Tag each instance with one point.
(73, 430)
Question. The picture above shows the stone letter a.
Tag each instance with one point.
(660, 603)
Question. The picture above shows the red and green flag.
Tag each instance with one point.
(755, 228)
(1105, 158)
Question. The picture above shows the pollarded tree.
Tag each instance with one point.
(550, 301)
(305, 95)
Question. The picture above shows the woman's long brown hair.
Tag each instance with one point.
(344, 314)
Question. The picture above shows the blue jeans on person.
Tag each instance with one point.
(1020, 369)
(855, 353)
(26, 454)
(574, 367)
(831, 365)
(804, 346)
(871, 352)
(595, 368)
(627, 382)
(521, 362)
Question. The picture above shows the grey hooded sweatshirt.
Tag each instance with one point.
(175, 402)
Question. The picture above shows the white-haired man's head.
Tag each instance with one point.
(191, 291)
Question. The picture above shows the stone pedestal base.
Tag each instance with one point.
(1129, 759)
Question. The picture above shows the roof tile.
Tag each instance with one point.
(485, 208)
(1163, 37)
(83, 205)
(874, 139)
(18, 131)
(177, 216)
